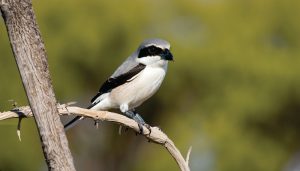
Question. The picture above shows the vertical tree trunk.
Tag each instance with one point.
(31, 58)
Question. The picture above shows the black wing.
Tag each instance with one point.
(114, 82)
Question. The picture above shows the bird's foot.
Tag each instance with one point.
(140, 121)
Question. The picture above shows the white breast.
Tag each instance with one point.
(142, 87)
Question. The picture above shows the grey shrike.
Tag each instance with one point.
(135, 81)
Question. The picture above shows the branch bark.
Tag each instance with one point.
(156, 135)
(29, 52)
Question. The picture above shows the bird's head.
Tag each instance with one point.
(153, 51)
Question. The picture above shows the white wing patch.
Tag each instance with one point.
(100, 98)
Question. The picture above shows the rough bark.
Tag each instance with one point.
(29, 51)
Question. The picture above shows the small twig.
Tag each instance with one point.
(97, 124)
(70, 103)
(120, 129)
(15, 109)
(19, 128)
(156, 135)
(188, 155)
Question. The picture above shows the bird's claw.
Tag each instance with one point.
(135, 116)
(141, 129)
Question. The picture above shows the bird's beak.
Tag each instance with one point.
(167, 55)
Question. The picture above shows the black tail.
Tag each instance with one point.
(75, 120)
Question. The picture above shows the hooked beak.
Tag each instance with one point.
(167, 55)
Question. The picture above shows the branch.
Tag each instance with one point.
(156, 135)
(31, 58)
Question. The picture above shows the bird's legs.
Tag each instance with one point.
(140, 121)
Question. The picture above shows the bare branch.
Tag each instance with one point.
(156, 136)
(188, 155)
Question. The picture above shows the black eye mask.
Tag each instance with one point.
(150, 51)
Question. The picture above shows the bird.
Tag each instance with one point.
(137, 79)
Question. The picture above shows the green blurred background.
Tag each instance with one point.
(233, 92)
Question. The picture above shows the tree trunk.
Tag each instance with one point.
(31, 58)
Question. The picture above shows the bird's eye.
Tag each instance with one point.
(154, 50)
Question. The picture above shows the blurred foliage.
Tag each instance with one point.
(233, 92)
